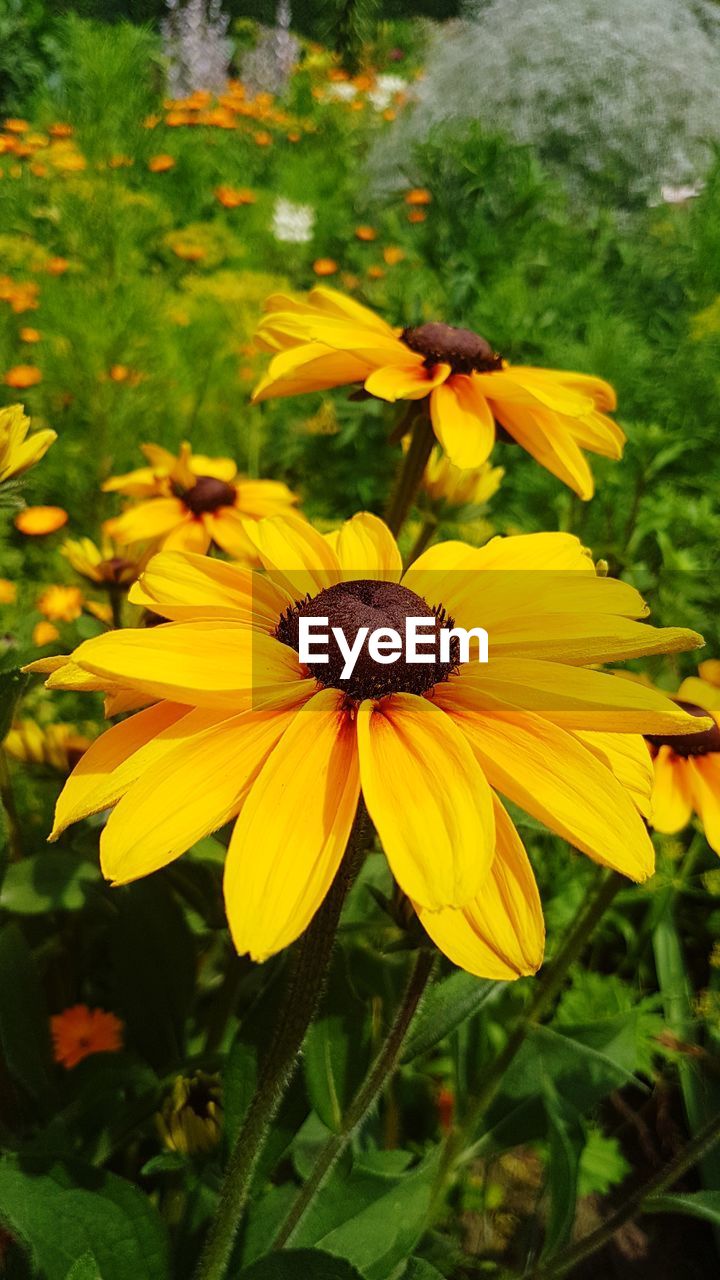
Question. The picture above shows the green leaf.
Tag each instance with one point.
(420, 1269)
(12, 684)
(53, 881)
(84, 1269)
(65, 1211)
(696, 1204)
(446, 1005)
(300, 1264)
(24, 1025)
(565, 1147)
(153, 969)
(602, 1164)
(336, 1052)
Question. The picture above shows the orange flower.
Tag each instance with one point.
(418, 195)
(8, 591)
(392, 255)
(60, 130)
(376, 272)
(44, 633)
(16, 126)
(36, 521)
(118, 373)
(293, 137)
(79, 1031)
(120, 162)
(57, 266)
(416, 215)
(60, 604)
(161, 163)
(263, 138)
(325, 266)
(233, 197)
(30, 335)
(22, 376)
(365, 233)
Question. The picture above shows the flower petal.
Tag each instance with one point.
(147, 520)
(672, 796)
(365, 548)
(705, 786)
(184, 586)
(299, 558)
(428, 799)
(195, 788)
(501, 934)
(309, 367)
(463, 421)
(405, 382)
(190, 535)
(293, 829)
(548, 440)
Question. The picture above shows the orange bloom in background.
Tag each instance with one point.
(416, 215)
(60, 603)
(16, 126)
(120, 162)
(365, 233)
(325, 266)
(192, 501)
(293, 137)
(161, 163)
(418, 195)
(263, 138)
(234, 197)
(22, 376)
(324, 339)
(60, 130)
(376, 272)
(392, 255)
(21, 295)
(687, 766)
(44, 633)
(8, 591)
(79, 1031)
(30, 335)
(57, 266)
(37, 521)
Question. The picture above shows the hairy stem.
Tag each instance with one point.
(304, 989)
(368, 1093)
(411, 470)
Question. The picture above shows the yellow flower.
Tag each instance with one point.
(18, 451)
(687, 765)
(58, 745)
(190, 1121)
(61, 604)
(238, 728)
(194, 501)
(444, 482)
(8, 591)
(37, 521)
(327, 340)
(44, 633)
(102, 564)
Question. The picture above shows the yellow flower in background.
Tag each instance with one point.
(36, 522)
(444, 482)
(58, 746)
(18, 450)
(44, 633)
(60, 603)
(79, 1031)
(8, 591)
(233, 726)
(193, 501)
(327, 340)
(687, 765)
(190, 1120)
(102, 564)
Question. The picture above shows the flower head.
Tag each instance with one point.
(190, 1121)
(191, 501)
(327, 340)
(235, 726)
(59, 603)
(8, 591)
(58, 746)
(36, 522)
(22, 376)
(687, 765)
(102, 564)
(79, 1031)
(18, 450)
(446, 483)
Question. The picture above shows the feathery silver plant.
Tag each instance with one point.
(267, 68)
(617, 95)
(196, 46)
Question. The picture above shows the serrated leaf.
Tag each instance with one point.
(446, 1006)
(52, 881)
(84, 1269)
(602, 1164)
(65, 1211)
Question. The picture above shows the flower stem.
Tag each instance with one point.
(7, 800)
(381, 1070)
(411, 470)
(424, 538)
(691, 1154)
(304, 988)
(116, 605)
(545, 992)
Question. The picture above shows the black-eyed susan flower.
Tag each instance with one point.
(687, 765)
(57, 746)
(79, 1031)
(328, 340)
(102, 564)
(191, 501)
(18, 450)
(235, 726)
(443, 482)
(190, 1120)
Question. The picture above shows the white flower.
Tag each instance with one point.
(384, 90)
(678, 195)
(292, 223)
(342, 91)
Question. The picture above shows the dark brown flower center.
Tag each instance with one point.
(689, 744)
(207, 494)
(463, 350)
(115, 570)
(351, 606)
